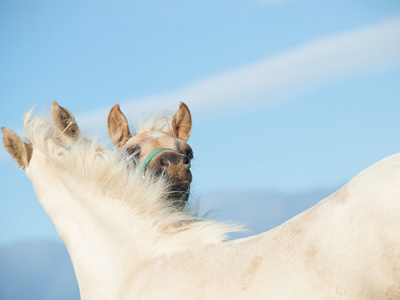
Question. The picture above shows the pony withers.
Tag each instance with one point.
(159, 146)
(127, 242)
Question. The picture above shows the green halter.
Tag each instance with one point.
(151, 156)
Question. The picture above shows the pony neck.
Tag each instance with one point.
(110, 219)
(98, 240)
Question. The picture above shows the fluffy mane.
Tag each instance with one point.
(108, 175)
(160, 121)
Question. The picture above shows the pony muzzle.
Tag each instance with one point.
(150, 157)
(175, 166)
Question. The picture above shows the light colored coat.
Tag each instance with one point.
(125, 242)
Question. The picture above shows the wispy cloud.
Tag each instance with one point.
(277, 78)
(273, 79)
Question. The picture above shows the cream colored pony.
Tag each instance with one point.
(159, 146)
(126, 242)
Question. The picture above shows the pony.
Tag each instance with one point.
(127, 242)
(160, 146)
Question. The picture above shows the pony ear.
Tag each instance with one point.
(18, 149)
(64, 121)
(118, 127)
(181, 125)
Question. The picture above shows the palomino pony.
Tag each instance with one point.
(159, 146)
(127, 242)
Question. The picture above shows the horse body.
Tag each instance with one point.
(127, 242)
(346, 247)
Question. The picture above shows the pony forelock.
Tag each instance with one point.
(160, 121)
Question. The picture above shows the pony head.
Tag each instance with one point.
(160, 148)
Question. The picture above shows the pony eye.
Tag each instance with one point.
(189, 154)
(130, 151)
(133, 151)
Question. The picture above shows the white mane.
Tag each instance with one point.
(160, 121)
(106, 172)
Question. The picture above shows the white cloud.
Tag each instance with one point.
(277, 78)
(274, 79)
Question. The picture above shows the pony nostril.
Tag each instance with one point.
(170, 159)
(163, 162)
(186, 161)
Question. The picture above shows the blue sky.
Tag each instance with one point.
(286, 96)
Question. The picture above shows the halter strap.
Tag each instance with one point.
(148, 159)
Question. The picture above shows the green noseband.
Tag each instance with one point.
(151, 156)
